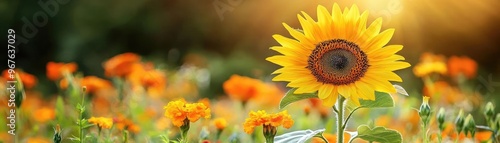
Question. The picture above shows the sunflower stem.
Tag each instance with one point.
(340, 119)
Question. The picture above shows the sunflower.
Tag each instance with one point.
(338, 55)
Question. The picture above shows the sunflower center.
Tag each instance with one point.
(337, 62)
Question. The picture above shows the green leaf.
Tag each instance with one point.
(297, 136)
(377, 134)
(87, 126)
(381, 100)
(290, 97)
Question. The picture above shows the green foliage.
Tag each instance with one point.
(290, 97)
(382, 100)
(377, 134)
(298, 136)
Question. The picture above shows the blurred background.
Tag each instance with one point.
(232, 36)
(196, 46)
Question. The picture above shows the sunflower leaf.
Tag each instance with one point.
(377, 134)
(382, 100)
(290, 97)
(297, 136)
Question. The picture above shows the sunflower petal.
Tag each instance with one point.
(324, 21)
(379, 41)
(325, 91)
(330, 101)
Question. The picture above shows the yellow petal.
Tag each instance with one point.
(325, 91)
(330, 101)
(324, 21)
(378, 41)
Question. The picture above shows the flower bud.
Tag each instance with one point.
(459, 122)
(425, 111)
(440, 118)
(57, 134)
(489, 111)
(470, 126)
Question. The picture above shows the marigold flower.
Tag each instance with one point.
(120, 65)
(144, 75)
(262, 118)
(37, 140)
(462, 65)
(123, 123)
(43, 114)
(92, 83)
(29, 81)
(242, 88)
(430, 63)
(55, 70)
(483, 136)
(101, 122)
(220, 123)
(179, 110)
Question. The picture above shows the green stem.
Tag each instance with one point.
(424, 134)
(321, 137)
(99, 133)
(440, 137)
(349, 116)
(340, 119)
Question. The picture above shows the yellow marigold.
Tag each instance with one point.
(101, 122)
(242, 88)
(179, 110)
(462, 65)
(220, 123)
(262, 118)
(430, 63)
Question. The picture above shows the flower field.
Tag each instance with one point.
(333, 73)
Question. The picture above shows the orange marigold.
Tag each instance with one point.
(55, 70)
(122, 123)
(101, 122)
(179, 110)
(220, 123)
(92, 83)
(462, 65)
(242, 88)
(44, 114)
(29, 81)
(430, 63)
(262, 118)
(120, 65)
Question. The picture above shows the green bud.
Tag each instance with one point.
(425, 111)
(459, 122)
(440, 118)
(489, 111)
(57, 134)
(470, 126)
(269, 132)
